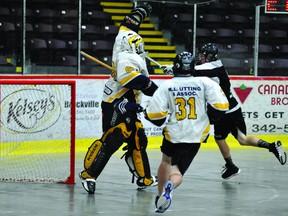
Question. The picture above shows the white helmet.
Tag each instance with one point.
(132, 42)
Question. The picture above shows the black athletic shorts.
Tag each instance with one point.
(229, 124)
(182, 154)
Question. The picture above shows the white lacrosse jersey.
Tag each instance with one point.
(182, 100)
(123, 31)
(129, 66)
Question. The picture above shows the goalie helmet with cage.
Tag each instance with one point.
(183, 64)
(136, 16)
(210, 51)
(132, 42)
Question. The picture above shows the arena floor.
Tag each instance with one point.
(260, 189)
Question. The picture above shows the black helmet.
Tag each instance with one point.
(210, 51)
(136, 16)
(183, 64)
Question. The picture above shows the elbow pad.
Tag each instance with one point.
(150, 88)
(157, 122)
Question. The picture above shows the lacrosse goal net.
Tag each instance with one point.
(37, 134)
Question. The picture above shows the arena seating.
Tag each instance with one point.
(51, 30)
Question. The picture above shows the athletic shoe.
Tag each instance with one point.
(88, 182)
(163, 202)
(141, 185)
(277, 149)
(229, 171)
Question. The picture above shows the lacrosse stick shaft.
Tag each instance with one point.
(155, 62)
(98, 61)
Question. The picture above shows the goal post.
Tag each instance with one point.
(37, 130)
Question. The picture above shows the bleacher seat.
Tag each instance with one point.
(102, 47)
(203, 35)
(235, 21)
(110, 32)
(280, 22)
(183, 20)
(233, 65)
(279, 65)
(5, 14)
(97, 17)
(247, 36)
(92, 32)
(223, 35)
(281, 50)
(66, 31)
(265, 51)
(44, 30)
(67, 60)
(56, 48)
(38, 51)
(211, 21)
(237, 50)
(276, 36)
(45, 15)
(72, 45)
(68, 16)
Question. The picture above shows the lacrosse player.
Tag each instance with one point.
(233, 122)
(181, 103)
(120, 107)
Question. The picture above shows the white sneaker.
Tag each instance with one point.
(163, 202)
(277, 149)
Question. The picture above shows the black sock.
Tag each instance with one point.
(263, 144)
(229, 161)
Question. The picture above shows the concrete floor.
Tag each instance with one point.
(260, 189)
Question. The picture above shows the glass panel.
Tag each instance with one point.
(49, 30)
(9, 37)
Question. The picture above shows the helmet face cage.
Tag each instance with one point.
(210, 51)
(133, 43)
(183, 64)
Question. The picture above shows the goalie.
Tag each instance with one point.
(120, 120)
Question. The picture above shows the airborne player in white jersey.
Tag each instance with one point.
(181, 103)
(120, 122)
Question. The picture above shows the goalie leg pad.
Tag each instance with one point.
(96, 146)
(137, 159)
(111, 142)
(92, 153)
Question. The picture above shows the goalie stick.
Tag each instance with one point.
(111, 68)
(154, 61)
(98, 61)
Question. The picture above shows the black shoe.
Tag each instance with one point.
(230, 171)
(89, 184)
(141, 185)
(277, 149)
